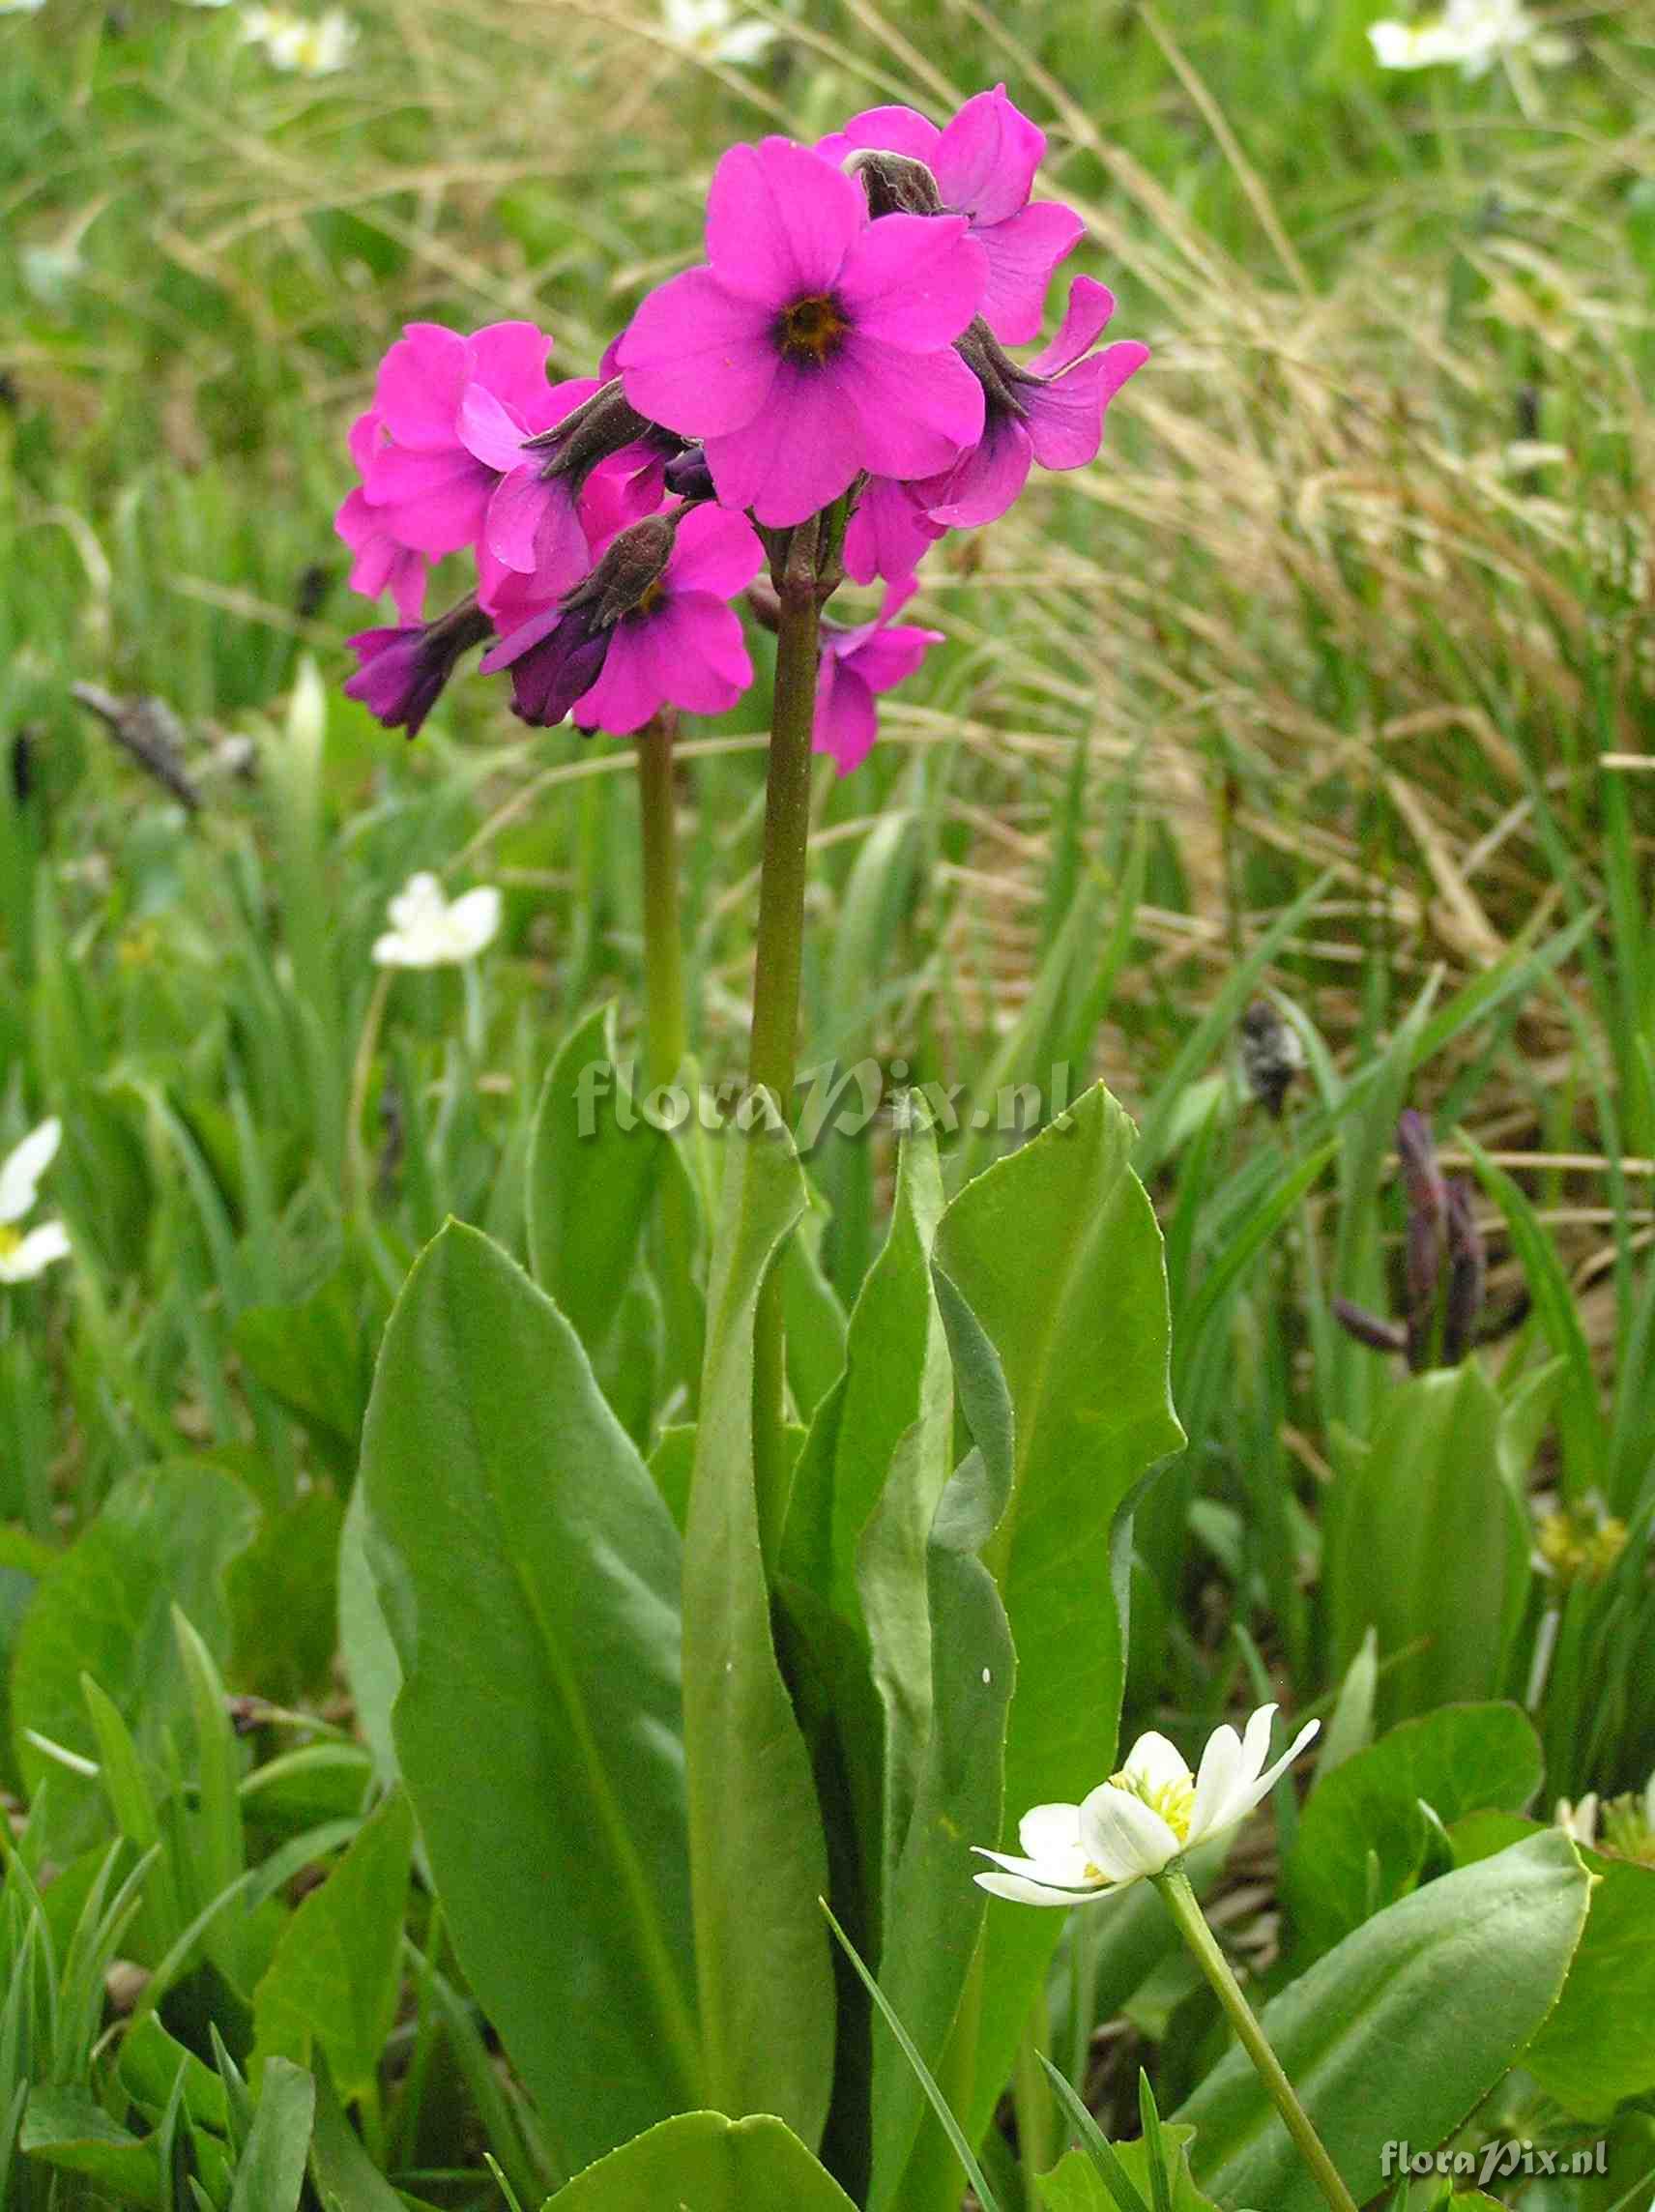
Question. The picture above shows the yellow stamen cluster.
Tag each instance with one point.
(811, 329)
(1173, 1800)
(10, 1238)
(1579, 1543)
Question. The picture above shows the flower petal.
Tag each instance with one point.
(913, 280)
(473, 920)
(1024, 1892)
(914, 416)
(1091, 306)
(487, 429)
(698, 356)
(891, 130)
(421, 379)
(1049, 1831)
(1065, 416)
(23, 1167)
(986, 159)
(714, 551)
(1155, 1762)
(34, 1254)
(780, 221)
(803, 451)
(847, 720)
(1022, 253)
(1122, 1836)
(701, 656)
(1221, 1772)
(984, 481)
(1257, 1792)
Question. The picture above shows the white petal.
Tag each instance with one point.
(1254, 1792)
(1022, 1892)
(22, 1169)
(395, 950)
(1221, 1769)
(420, 899)
(1120, 1834)
(34, 1254)
(472, 921)
(1049, 1831)
(1155, 1763)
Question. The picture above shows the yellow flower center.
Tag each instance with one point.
(811, 329)
(1578, 1544)
(9, 1239)
(648, 599)
(1173, 1800)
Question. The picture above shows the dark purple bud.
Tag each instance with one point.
(895, 184)
(689, 475)
(1467, 1277)
(1368, 1329)
(549, 677)
(599, 427)
(401, 672)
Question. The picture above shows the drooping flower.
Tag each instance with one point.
(401, 672)
(430, 931)
(1051, 411)
(984, 164)
(710, 30)
(889, 533)
(1135, 1824)
(1475, 34)
(815, 343)
(857, 664)
(445, 404)
(25, 1254)
(651, 627)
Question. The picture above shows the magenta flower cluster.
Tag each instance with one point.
(843, 342)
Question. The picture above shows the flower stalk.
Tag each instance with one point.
(666, 1041)
(778, 959)
(1180, 1898)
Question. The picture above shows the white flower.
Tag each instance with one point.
(21, 7)
(1474, 33)
(309, 45)
(1578, 1821)
(1141, 1819)
(25, 1255)
(428, 932)
(708, 28)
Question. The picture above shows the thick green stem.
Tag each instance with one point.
(1180, 1902)
(666, 1041)
(663, 944)
(776, 965)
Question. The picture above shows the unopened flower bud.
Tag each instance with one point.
(687, 476)
(895, 184)
(624, 579)
(401, 672)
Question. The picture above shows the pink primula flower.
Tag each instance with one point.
(984, 164)
(1051, 411)
(815, 344)
(857, 664)
(889, 533)
(379, 562)
(678, 645)
(451, 410)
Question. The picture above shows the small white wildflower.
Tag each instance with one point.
(709, 29)
(1578, 1821)
(307, 45)
(1143, 1817)
(426, 931)
(26, 1254)
(1476, 33)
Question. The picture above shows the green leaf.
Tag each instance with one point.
(272, 2171)
(282, 1604)
(1366, 1816)
(1598, 2047)
(591, 1179)
(933, 1910)
(1050, 1275)
(758, 1859)
(344, 2174)
(701, 2161)
(64, 2127)
(165, 1534)
(333, 1982)
(367, 1646)
(1433, 1999)
(316, 1356)
(529, 1572)
(1082, 2182)
(1431, 1545)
